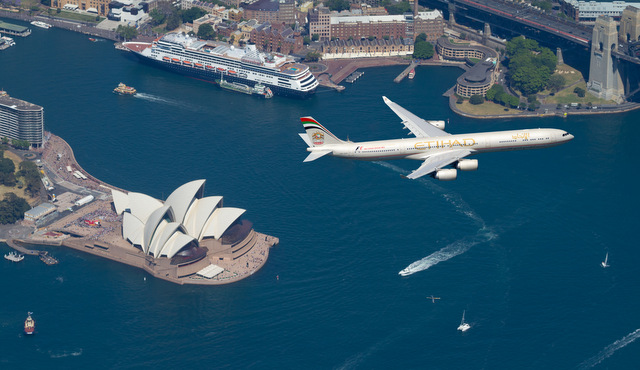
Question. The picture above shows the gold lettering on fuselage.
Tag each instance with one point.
(436, 144)
(521, 135)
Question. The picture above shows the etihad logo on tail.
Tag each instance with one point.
(318, 138)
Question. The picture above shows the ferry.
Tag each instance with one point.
(41, 24)
(258, 89)
(29, 325)
(5, 42)
(14, 257)
(211, 61)
(123, 89)
(412, 74)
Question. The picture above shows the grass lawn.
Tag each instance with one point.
(75, 16)
(567, 96)
(487, 108)
(19, 192)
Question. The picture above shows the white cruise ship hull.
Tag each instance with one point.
(201, 65)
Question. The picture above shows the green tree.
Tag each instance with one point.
(45, 2)
(544, 5)
(191, 14)
(12, 208)
(493, 91)
(127, 32)
(556, 82)
(306, 40)
(206, 32)
(338, 5)
(173, 22)
(315, 37)
(421, 37)
(476, 99)
(394, 8)
(7, 166)
(157, 17)
(312, 56)
(579, 91)
(513, 101)
(423, 50)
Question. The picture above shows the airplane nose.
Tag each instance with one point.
(569, 137)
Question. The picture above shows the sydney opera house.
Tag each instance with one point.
(190, 235)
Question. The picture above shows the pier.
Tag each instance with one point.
(353, 77)
(406, 71)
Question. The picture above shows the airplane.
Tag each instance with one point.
(433, 299)
(432, 145)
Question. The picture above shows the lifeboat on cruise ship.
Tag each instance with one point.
(198, 65)
(210, 67)
(175, 60)
(186, 62)
(220, 69)
(166, 58)
(232, 72)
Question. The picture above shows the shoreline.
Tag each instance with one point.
(106, 240)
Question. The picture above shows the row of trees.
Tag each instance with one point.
(172, 17)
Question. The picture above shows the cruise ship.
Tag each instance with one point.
(209, 60)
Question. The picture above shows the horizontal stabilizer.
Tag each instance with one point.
(316, 154)
(305, 137)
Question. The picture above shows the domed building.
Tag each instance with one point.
(186, 233)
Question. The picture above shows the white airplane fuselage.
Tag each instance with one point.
(419, 148)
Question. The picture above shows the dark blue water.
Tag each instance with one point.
(517, 244)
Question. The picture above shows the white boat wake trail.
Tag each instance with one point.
(610, 350)
(456, 248)
(157, 99)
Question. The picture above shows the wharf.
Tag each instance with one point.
(406, 71)
(353, 77)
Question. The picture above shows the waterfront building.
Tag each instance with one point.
(346, 25)
(481, 75)
(21, 120)
(276, 38)
(184, 229)
(38, 212)
(344, 49)
(591, 10)
(98, 7)
(13, 29)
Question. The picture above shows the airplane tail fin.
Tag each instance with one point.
(317, 135)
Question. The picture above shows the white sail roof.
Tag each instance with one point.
(164, 229)
(220, 221)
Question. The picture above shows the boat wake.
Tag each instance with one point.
(65, 354)
(157, 99)
(454, 249)
(458, 247)
(610, 350)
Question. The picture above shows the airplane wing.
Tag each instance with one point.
(438, 161)
(417, 125)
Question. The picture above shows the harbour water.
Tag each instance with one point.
(517, 244)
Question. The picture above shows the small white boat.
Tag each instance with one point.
(41, 24)
(14, 257)
(605, 263)
(463, 325)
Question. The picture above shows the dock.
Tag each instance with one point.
(353, 77)
(406, 71)
(44, 255)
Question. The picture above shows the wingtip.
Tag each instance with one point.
(385, 99)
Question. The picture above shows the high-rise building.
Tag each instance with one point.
(21, 120)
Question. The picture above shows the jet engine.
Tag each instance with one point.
(438, 124)
(467, 165)
(446, 174)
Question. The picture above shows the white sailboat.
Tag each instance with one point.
(605, 263)
(463, 325)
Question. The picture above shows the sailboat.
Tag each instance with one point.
(605, 263)
(463, 325)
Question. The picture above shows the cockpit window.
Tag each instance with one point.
(565, 134)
